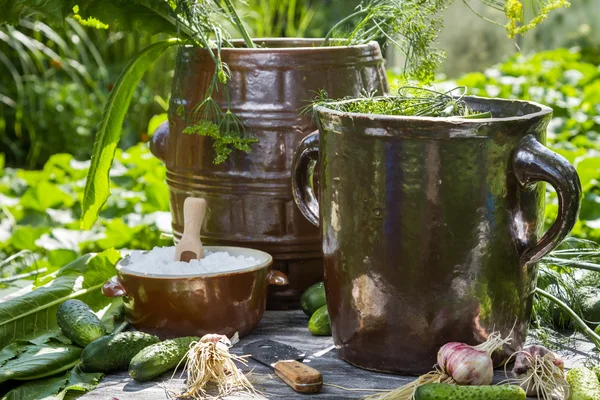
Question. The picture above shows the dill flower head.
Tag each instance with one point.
(514, 12)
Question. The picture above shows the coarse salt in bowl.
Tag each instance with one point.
(225, 292)
(160, 261)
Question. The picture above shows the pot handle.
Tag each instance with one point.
(114, 288)
(277, 278)
(160, 141)
(303, 168)
(534, 162)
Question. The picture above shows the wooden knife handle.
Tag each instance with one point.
(299, 376)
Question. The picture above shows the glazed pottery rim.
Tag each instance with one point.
(295, 49)
(542, 111)
(266, 257)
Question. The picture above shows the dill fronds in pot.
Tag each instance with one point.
(409, 101)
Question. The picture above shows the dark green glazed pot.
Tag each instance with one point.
(431, 227)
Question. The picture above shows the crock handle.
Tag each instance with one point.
(114, 288)
(277, 278)
(534, 162)
(160, 141)
(303, 169)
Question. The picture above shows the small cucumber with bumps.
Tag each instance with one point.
(113, 353)
(158, 358)
(79, 323)
(443, 391)
(584, 384)
(320, 324)
(313, 299)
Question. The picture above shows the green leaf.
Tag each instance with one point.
(24, 237)
(29, 361)
(157, 198)
(45, 195)
(56, 388)
(34, 313)
(97, 184)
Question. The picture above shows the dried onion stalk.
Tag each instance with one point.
(209, 363)
(540, 373)
(458, 363)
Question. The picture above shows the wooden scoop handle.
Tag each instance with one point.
(190, 246)
(299, 376)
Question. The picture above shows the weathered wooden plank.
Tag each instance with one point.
(290, 327)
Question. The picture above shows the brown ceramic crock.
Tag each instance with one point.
(249, 196)
(194, 305)
(432, 227)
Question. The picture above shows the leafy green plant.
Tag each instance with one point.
(50, 100)
(57, 387)
(28, 316)
(279, 18)
(411, 25)
(39, 228)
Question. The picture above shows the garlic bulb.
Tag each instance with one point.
(465, 364)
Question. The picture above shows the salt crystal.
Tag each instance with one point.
(161, 261)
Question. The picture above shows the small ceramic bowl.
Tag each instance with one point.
(194, 305)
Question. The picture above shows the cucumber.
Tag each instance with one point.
(158, 358)
(313, 299)
(79, 323)
(596, 370)
(112, 353)
(443, 391)
(584, 384)
(320, 324)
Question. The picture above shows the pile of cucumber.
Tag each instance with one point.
(143, 354)
(314, 304)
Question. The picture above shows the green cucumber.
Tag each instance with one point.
(443, 391)
(320, 324)
(158, 358)
(79, 323)
(596, 370)
(313, 299)
(584, 384)
(113, 353)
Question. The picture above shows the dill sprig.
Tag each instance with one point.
(410, 25)
(207, 118)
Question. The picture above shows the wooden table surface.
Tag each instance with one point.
(290, 327)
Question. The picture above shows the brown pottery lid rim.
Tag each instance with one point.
(543, 111)
(371, 45)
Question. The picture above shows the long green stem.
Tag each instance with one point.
(240, 26)
(342, 22)
(479, 15)
(576, 318)
(573, 263)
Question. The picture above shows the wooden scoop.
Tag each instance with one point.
(190, 246)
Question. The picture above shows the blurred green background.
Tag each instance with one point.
(53, 83)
